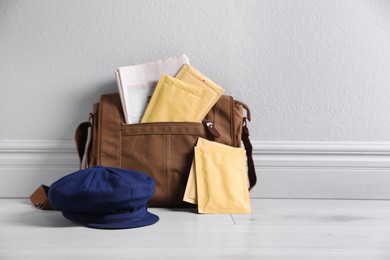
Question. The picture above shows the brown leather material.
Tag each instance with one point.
(211, 128)
(162, 150)
(39, 198)
(248, 148)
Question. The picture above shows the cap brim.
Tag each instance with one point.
(146, 220)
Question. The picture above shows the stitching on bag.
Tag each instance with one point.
(168, 162)
(232, 125)
(165, 129)
(119, 141)
(99, 133)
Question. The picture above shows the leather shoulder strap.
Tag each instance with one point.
(248, 148)
(248, 145)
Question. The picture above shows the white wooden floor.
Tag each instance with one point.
(277, 229)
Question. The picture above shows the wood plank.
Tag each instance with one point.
(182, 236)
(277, 229)
(316, 212)
(175, 253)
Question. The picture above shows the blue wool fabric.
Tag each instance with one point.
(105, 197)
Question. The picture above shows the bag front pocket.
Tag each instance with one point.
(163, 151)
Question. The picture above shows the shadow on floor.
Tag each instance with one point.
(41, 218)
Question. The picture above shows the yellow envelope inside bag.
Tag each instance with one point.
(190, 75)
(174, 100)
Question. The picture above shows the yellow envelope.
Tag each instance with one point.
(190, 75)
(190, 194)
(218, 180)
(174, 100)
(222, 181)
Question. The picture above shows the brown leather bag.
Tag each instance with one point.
(162, 150)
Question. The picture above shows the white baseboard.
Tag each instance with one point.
(332, 170)
(336, 170)
(25, 164)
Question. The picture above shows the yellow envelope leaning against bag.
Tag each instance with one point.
(190, 194)
(222, 181)
(174, 100)
(190, 75)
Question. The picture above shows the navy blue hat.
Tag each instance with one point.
(105, 197)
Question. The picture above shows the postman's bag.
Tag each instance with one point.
(163, 150)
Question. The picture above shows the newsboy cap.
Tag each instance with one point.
(105, 197)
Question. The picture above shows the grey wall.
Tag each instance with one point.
(310, 70)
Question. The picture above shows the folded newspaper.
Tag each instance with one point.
(136, 84)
